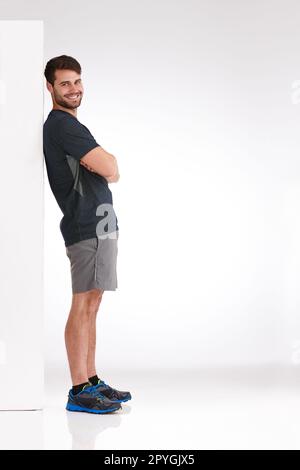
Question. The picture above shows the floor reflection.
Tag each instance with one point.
(86, 427)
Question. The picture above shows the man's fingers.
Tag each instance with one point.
(86, 166)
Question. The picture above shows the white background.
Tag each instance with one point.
(196, 101)
(200, 103)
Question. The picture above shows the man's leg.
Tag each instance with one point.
(91, 363)
(77, 333)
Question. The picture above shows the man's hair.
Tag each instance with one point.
(62, 62)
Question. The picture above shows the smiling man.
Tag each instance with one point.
(79, 170)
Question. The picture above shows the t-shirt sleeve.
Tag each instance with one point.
(75, 138)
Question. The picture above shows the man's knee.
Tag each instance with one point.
(94, 302)
(88, 301)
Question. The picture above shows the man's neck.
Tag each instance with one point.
(73, 112)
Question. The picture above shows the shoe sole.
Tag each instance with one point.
(71, 407)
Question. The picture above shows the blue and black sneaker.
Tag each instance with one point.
(116, 396)
(90, 401)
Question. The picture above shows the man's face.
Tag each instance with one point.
(68, 89)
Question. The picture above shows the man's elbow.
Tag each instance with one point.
(114, 178)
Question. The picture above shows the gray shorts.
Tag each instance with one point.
(93, 263)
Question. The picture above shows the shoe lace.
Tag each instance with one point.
(91, 390)
(102, 384)
(96, 393)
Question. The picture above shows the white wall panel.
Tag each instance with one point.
(22, 215)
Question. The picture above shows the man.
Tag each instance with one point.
(79, 171)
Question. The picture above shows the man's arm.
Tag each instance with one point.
(101, 162)
(77, 141)
(110, 179)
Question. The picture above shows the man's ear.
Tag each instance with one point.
(49, 86)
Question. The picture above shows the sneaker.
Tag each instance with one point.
(116, 396)
(90, 401)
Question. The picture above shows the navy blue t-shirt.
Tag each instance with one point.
(79, 192)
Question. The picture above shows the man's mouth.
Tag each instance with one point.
(73, 97)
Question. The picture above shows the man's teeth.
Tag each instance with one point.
(73, 96)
